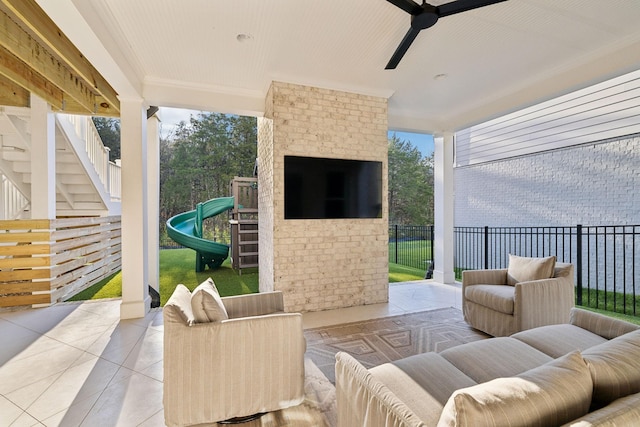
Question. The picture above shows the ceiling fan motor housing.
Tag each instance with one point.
(425, 19)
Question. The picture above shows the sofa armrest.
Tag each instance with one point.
(484, 277)
(364, 401)
(543, 302)
(249, 305)
(605, 326)
(209, 366)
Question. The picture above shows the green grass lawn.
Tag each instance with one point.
(401, 273)
(178, 266)
(415, 253)
(611, 304)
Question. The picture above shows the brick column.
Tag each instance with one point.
(331, 263)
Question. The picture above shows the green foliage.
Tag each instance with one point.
(200, 159)
(410, 184)
(109, 131)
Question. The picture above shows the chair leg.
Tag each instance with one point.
(242, 420)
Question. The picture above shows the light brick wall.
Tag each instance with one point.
(265, 207)
(592, 184)
(321, 264)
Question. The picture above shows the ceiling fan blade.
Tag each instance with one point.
(402, 48)
(463, 6)
(407, 5)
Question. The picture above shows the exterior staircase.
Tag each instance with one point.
(87, 183)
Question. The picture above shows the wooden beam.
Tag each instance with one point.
(21, 44)
(14, 69)
(48, 33)
(12, 94)
(72, 107)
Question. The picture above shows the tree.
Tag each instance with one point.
(109, 131)
(200, 160)
(410, 184)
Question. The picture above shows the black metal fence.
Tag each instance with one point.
(411, 245)
(606, 258)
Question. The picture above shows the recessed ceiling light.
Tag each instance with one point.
(440, 76)
(242, 37)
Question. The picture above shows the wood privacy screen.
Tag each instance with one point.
(48, 261)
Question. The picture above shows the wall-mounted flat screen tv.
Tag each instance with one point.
(319, 188)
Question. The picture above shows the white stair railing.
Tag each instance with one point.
(108, 172)
(14, 203)
(115, 181)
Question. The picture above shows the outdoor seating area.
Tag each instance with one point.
(79, 364)
(522, 215)
(586, 371)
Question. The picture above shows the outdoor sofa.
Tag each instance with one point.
(584, 373)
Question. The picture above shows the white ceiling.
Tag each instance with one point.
(497, 59)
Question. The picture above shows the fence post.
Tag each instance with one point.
(579, 264)
(486, 247)
(396, 239)
(431, 235)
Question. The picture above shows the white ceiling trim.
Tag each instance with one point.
(195, 96)
(331, 85)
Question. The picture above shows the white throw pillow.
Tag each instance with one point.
(523, 269)
(206, 303)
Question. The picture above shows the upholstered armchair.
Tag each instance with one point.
(532, 292)
(231, 357)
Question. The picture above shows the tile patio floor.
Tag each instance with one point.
(78, 364)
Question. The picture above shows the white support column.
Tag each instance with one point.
(133, 130)
(43, 160)
(153, 200)
(3, 208)
(443, 209)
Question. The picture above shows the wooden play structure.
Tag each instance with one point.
(244, 223)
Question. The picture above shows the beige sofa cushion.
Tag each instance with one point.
(523, 269)
(424, 382)
(363, 400)
(486, 360)
(206, 303)
(624, 412)
(558, 340)
(549, 395)
(496, 297)
(605, 326)
(615, 368)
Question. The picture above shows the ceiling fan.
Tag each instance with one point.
(425, 16)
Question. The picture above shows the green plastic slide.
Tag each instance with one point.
(186, 230)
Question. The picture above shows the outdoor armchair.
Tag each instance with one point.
(245, 356)
(496, 303)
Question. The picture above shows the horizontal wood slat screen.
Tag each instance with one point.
(47, 261)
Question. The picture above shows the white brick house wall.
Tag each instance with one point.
(590, 184)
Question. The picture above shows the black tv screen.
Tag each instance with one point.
(318, 188)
